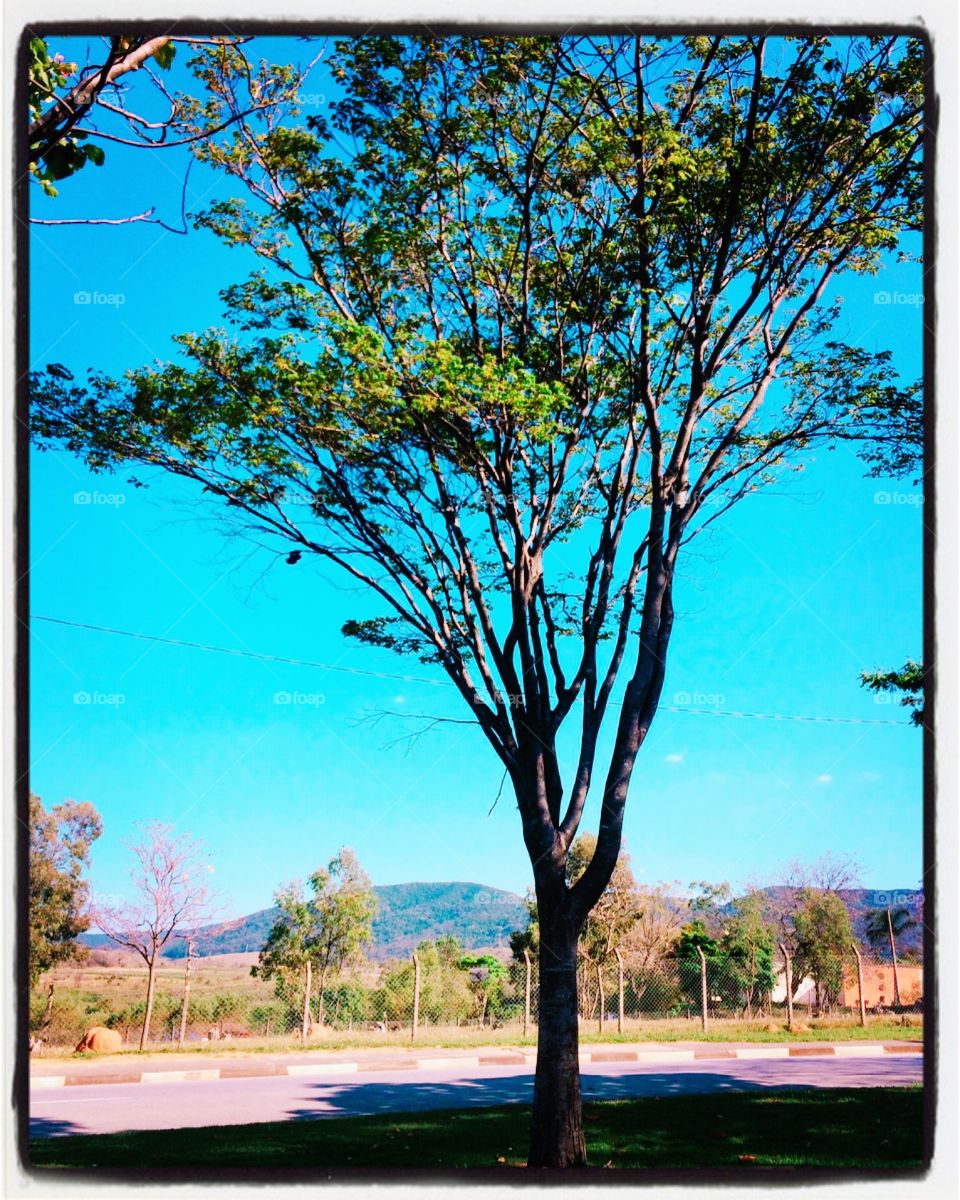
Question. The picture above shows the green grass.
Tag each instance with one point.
(862, 1128)
(826, 1029)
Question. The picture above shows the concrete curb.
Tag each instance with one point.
(454, 1062)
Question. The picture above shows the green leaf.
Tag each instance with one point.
(95, 154)
(165, 55)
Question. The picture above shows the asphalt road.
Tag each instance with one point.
(109, 1108)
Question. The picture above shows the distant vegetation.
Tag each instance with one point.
(478, 917)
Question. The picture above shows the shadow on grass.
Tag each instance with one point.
(730, 1128)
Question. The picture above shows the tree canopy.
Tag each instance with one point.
(60, 842)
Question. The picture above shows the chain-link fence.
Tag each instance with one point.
(437, 991)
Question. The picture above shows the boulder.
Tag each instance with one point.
(100, 1040)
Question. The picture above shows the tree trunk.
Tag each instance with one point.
(556, 1132)
(893, 954)
(306, 1002)
(151, 980)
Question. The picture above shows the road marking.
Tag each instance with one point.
(425, 1064)
(852, 1050)
(665, 1056)
(48, 1081)
(322, 1068)
(179, 1076)
(763, 1052)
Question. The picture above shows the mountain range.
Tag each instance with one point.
(481, 917)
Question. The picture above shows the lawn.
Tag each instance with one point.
(856, 1128)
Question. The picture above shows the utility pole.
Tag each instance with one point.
(191, 945)
(893, 953)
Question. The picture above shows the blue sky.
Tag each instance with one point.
(779, 609)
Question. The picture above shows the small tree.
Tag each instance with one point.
(60, 843)
(748, 943)
(345, 905)
(170, 894)
(286, 954)
(487, 975)
(823, 937)
(324, 932)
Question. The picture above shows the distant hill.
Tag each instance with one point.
(483, 917)
(480, 917)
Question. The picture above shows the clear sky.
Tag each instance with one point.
(778, 610)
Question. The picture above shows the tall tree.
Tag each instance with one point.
(534, 312)
(57, 893)
(169, 895)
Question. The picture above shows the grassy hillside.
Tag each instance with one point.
(480, 917)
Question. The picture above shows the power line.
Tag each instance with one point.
(277, 658)
(322, 666)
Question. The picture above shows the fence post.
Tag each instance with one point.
(703, 986)
(416, 997)
(789, 974)
(863, 1007)
(307, 1018)
(600, 998)
(186, 997)
(620, 990)
(526, 992)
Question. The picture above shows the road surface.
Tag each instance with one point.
(109, 1108)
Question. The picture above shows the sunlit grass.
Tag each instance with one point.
(856, 1128)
